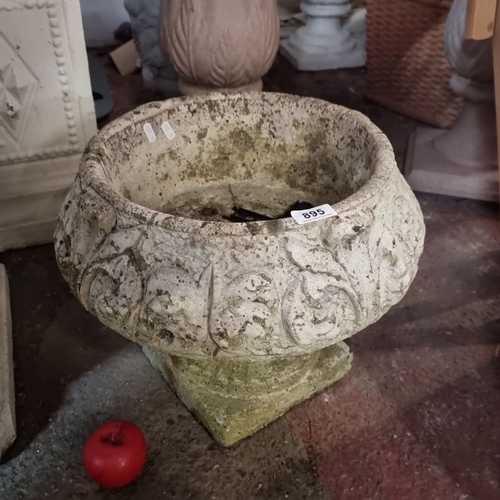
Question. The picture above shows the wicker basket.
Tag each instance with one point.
(407, 70)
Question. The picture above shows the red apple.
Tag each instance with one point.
(115, 453)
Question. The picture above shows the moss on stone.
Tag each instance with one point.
(234, 399)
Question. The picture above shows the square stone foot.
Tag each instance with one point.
(302, 61)
(234, 399)
(430, 171)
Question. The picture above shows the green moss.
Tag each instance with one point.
(234, 399)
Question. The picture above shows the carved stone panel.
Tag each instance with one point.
(46, 113)
(7, 392)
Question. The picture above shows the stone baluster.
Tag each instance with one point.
(472, 139)
(461, 161)
(219, 44)
(326, 41)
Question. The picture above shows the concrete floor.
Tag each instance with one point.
(417, 418)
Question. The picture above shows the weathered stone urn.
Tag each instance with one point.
(244, 320)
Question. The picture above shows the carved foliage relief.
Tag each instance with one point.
(220, 43)
(236, 296)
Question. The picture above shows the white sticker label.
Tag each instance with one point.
(168, 130)
(150, 133)
(313, 214)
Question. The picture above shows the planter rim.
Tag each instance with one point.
(92, 168)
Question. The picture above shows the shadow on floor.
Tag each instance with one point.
(55, 340)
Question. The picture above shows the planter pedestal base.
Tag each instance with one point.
(234, 399)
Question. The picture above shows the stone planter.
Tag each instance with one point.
(243, 319)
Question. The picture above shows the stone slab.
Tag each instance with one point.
(235, 399)
(47, 115)
(7, 405)
(428, 170)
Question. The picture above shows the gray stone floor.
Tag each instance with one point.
(417, 417)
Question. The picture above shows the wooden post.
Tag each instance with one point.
(496, 65)
(480, 20)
